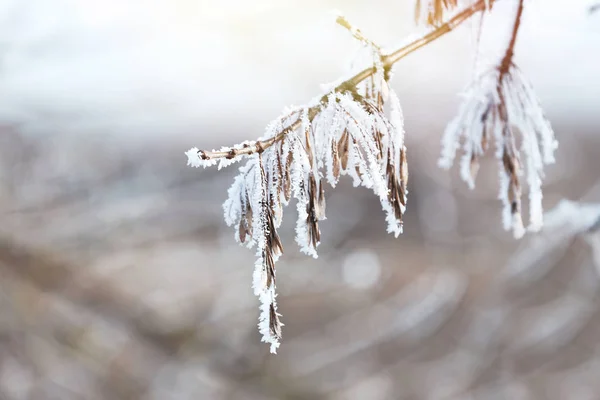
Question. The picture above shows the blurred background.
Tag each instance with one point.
(120, 280)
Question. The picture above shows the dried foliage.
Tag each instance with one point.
(357, 129)
(432, 12)
(354, 135)
(499, 104)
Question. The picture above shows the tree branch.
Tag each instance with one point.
(358, 35)
(388, 61)
(510, 51)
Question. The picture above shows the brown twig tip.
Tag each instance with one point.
(507, 60)
(341, 20)
(358, 35)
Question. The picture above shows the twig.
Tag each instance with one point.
(341, 20)
(388, 61)
(455, 21)
(508, 56)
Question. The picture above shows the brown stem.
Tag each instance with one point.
(510, 51)
(388, 61)
(455, 21)
(358, 35)
(510, 155)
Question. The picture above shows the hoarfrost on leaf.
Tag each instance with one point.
(351, 134)
(356, 129)
(504, 108)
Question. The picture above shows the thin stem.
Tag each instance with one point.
(358, 35)
(388, 61)
(510, 51)
(455, 21)
(507, 59)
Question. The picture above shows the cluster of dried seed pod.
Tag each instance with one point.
(351, 134)
(500, 105)
(357, 129)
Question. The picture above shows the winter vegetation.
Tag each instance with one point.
(120, 279)
(356, 129)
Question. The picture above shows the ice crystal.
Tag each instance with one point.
(357, 129)
(351, 134)
(502, 107)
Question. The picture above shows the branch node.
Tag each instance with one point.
(231, 155)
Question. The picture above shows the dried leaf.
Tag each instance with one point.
(269, 267)
(287, 180)
(274, 322)
(343, 147)
(321, 201)
(335, 157)
(309, 149)
(314, 234)
(403, 168)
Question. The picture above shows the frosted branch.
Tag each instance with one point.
(205, 158)
(357, 129)
(499, 105)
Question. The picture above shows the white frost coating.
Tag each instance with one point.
(195, 161)
(481, 114)
(397, 120)
(266, 294)
(349, 135)
(267, 298)
(361, 126)
(300, 169)
(516, 224)
(240, 191)
(379, 83)
(259, 277)
(329, 127)
(395, 145)
(193, 157)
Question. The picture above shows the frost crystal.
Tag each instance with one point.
(499, 107)
(357, 129)
(349, 134)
